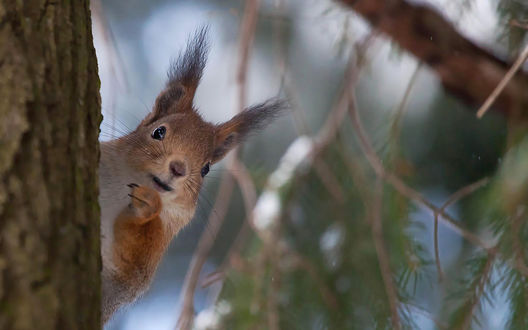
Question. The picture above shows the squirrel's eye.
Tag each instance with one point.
(205, 170)
(159, 133)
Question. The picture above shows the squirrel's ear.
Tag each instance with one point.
(233, 132)
(183, 78)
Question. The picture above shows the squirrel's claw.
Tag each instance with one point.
(144, 201)
(132, 185)
(137, 198)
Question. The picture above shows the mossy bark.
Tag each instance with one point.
(49, 123)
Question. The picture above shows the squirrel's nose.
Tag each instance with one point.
(177, 168)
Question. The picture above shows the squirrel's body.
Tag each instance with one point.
(150, 178)
(129, 264)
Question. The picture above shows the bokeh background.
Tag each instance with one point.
(318, 265)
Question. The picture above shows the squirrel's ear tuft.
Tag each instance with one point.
(188, 68)
(183, 78)
(233, 132)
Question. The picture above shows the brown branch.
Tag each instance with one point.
(465, 69)
(459, 194)
(381, 251)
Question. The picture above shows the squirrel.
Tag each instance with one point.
(150, 178)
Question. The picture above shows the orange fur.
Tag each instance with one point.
(139, 238)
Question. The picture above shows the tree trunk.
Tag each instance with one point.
(49, 123)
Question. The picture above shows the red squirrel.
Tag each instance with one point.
(150, 178)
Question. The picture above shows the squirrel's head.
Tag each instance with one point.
(173, 147)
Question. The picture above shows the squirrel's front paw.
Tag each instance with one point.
(144, 201)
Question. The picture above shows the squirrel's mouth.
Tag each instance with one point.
(160, 184)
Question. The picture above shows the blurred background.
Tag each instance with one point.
(312, 233)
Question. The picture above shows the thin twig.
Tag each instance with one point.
(437, 251)
(328, 296)
(334, 121)
(519, 24)
(300, 122)
(246, 185)
(515, 229)
(459, 194)
(383, 257)
(248, 26)
(273, 254)
(402, 107)
(398, 184)
(329, 180)
(205, 244)
(502, 84)
(479, 290)
(260, 267)
(232, 257)
(249, 195)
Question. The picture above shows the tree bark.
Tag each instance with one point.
(466, 70)
(49, 124)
